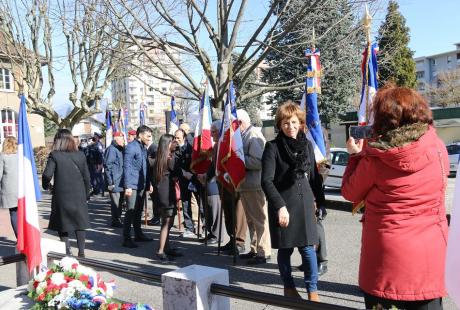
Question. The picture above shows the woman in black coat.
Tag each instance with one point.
(291, 183)
(70, 190)
(165, 172)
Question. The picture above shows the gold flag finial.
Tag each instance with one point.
(367, 23)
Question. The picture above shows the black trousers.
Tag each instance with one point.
(133, 216)
(372, 301)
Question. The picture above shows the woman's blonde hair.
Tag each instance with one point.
(288, 110)
(10, 145)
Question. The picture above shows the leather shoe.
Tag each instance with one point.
(128, 243)
(292, 292)
(154, 222)
(174, 253)
(248, 255)
(163, 257)
(117, 224)
(142, 238)
(258, 260)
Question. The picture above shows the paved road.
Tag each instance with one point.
(338, 286)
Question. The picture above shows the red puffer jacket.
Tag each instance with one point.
(404, 233)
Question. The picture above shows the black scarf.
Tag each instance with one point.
(296, 149)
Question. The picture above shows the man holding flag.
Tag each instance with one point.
(251, 197)
(202, 150)
(28, 194)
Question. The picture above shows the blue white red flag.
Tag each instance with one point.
(28, 194)
(173, 121)
(309, 104)
(230, 166)
(369, 73)
(452, 274)
(122, 123)
(108, 128)
(202, 142)
(142, 114)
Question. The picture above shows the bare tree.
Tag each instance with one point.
(42, 37)
(188, 27)
(446, 92)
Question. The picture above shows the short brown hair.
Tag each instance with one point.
(288, 110)
(64, 141)
(10, 145)
(394, 107)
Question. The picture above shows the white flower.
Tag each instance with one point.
(76, 284)
(30, 286)
(86, 271)
(57, 278)
(41, 287)
(68, 263)
(40, 276)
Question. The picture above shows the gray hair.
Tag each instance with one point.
(243, 116)
(216, 124)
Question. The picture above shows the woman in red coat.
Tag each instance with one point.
(401, 176)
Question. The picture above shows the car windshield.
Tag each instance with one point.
(453, 149)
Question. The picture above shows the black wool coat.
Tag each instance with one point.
(297, 195)
(70, 190)
(164, 192)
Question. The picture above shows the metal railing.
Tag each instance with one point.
(116, 268)
(271, 299)
(230, 291)
(10, 259)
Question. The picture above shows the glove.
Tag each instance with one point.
(111, 187)
(321, 213)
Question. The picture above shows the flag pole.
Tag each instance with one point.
(219, 238)
(367, 22)
(233, 195)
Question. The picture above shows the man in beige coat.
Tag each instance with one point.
(252, 197)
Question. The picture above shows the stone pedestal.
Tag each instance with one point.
(189, 289)
(50, 245)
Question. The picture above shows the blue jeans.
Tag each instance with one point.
(308, 255)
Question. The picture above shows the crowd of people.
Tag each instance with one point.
(399, 175)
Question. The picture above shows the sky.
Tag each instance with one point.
(434, 28)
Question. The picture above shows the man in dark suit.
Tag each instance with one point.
(184, 159)
(136, 176)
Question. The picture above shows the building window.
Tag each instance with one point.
(449, 59)
(421, 86)
(6, 79)
(433, 62)
(9, 124)
(420, 74)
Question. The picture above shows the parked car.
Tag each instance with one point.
(454, 156)
(339, 160)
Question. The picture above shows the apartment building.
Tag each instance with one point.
(429, 67)
(145, 89)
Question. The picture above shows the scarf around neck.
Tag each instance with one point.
(296, 149)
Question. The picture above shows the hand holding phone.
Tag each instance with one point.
(354, 146)
(361, 132)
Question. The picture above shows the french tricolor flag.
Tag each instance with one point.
(202, 142)
(28, 194)
(369, 73)
(230, 166)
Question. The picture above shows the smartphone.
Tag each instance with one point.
(361, 132)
